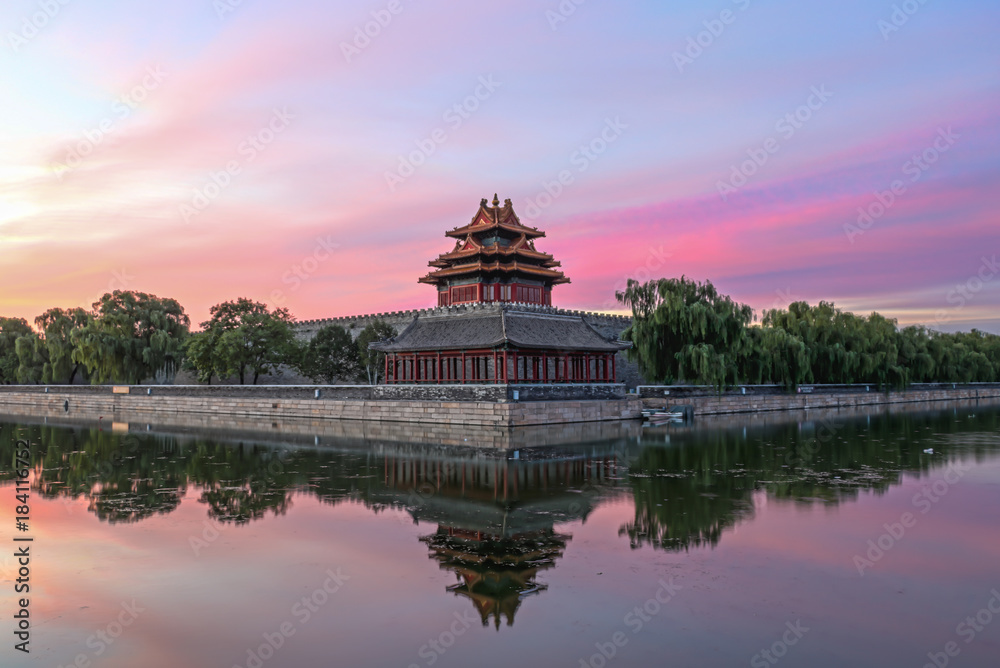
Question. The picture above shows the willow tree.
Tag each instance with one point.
(31, 359)
(775, 356)
(11, 329)
(133, 336)
(843, 347)
(48, 357)
(683, 330)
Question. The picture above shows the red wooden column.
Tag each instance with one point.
(496, 371)
(545, 368)
(614, 374)
(463, 367)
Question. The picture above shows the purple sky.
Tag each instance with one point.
(203, 151)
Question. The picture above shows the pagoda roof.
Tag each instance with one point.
(489, 218)
(557, 277)
(499, 326)
(522, 248)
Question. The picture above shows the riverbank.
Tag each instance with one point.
(445, 405)
(488, 406)
(766, 398)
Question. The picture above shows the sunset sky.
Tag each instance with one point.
(207, 150)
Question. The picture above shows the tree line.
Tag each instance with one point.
(131, 337)
(684, 331)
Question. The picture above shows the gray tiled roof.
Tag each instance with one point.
(496, 326)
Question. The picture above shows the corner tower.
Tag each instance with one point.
(494, 260)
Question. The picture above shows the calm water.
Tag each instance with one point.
(723, 544)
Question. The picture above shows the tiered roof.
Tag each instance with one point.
(498, 326)
(495, 241)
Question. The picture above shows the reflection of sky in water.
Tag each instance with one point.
(751, 542)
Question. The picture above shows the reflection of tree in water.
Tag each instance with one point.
(241, 484)
(689, 491)
(686, 496)
(123, 479)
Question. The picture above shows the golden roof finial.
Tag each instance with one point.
(496, 200)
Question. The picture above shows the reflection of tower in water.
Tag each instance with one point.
(496, 513)
(494, 572)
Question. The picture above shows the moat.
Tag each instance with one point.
(864, 538)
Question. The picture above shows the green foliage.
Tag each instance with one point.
(199, 351)
(132, 337)
(684, 331)
(331, 355)
(373, 361)
(843, 347)
(56, 343)
(11, 329)
(243, 337)
(31, 357)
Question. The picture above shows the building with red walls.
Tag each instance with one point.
(508, 332)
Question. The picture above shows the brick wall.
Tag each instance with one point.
(445, 413)
(711, 405)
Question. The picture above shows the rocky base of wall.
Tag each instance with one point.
(445, 413)
(716, 405)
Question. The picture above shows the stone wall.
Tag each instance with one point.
(707, 404)
(607, 325)
(445, 413)
(429, 392)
